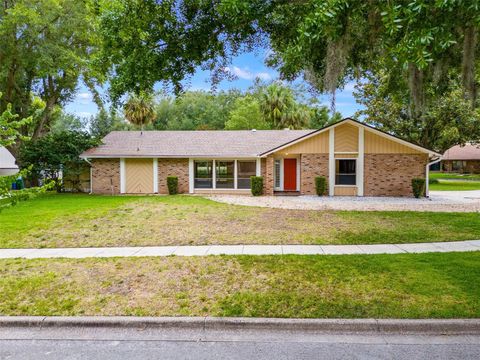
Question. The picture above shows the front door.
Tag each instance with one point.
(290, 174)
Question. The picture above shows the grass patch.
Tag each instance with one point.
(441, 285)
(452, 185)
(89, 221)
(454, 176)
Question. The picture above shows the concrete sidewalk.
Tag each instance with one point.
(204, 250)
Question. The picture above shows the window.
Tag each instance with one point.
(277, 174)
(459, 166)
(245, 170)
(225, 174)
(203, 174)
(345, 172)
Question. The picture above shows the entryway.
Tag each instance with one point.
(289, 174)
(286, 175)
(139, 176)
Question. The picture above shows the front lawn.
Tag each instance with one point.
(454, 176)
(89, 221)
(441, 285)
(452, 185)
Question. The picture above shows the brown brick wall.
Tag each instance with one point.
(471, 166)
(312, 165)
(268, 177)
(173, 167)
(105, 176)
(392, 174)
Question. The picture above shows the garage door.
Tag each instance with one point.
(139, 176)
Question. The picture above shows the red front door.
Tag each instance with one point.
(289, 174)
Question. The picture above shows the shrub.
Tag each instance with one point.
(418, 187)
(172, 184)
(433, 181)
(320, 185)
(256, 185)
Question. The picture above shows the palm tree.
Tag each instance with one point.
(140, 109)
(281, 110)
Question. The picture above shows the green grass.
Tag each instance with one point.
(87, 220)
(440, 285)
(454, 176)
(452, 185)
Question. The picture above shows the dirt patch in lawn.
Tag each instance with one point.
(404, 285)
(146, 222)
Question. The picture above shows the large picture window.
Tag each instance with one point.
(345, 172)
(225, 176)
(245, 170)
(203, 174)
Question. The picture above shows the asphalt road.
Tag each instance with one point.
(115, 343)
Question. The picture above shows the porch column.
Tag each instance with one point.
(191, 176)
(155, 176)
(123, 187)
(331, 162)
(360, 160)
(235, 174)
(214, 175)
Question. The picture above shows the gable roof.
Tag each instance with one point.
(467, 152)
(357, 123)
(184, 144)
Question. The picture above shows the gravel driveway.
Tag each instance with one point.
(439, 201)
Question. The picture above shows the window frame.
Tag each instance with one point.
(355, 174)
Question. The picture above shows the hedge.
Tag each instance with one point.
(320, 185)
(256, 185)
(418, 187)
(172, 184)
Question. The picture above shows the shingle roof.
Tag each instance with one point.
(212, 143)
(467, 152)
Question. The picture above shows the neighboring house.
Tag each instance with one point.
(462, 159)
(355, 158)
(7, 163)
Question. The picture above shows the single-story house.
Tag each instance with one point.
(356, 160)
(7, 163)
(462, 159)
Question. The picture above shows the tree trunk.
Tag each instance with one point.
(468, 63)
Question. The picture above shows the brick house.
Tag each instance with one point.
(462, 159)
(356, 160)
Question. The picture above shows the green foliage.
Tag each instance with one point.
(418, 187)
(172, 184)
(256, 185)
(57, 152)
(104, 122)
(10, 126)
(246, 114)
(68, 122)
(320, 185)
(139, 109)
(47, 45)
(432, 180)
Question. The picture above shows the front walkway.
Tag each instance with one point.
(439, 201)
(471, 245)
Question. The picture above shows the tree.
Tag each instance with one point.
(68, 122)
(10, 126)
(246, 115)
(139, 109)
(47, 45)
(57, 153)
(104, 122)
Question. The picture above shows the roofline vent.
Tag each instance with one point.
(254, 130)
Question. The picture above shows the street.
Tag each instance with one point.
(172, 343)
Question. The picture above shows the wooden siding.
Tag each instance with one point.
(376, 144)
(346, 138)
(139, 176)
(345, 191)
(346, 156)
(317, 144)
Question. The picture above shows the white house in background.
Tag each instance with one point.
(7, 163)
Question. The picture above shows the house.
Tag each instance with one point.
(462, 159)
(7, 163)
(356, 160)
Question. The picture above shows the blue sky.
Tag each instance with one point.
(246, 67)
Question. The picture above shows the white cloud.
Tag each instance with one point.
(247, 74)
(83, 114)
(84, 98)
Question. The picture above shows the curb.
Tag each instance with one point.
(384, 326)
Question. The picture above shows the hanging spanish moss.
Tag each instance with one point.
(468, 63)
(415, 85)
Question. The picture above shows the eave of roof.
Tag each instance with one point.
(382, 133)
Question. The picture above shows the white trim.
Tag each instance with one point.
(258, 169)
(235, 174)
(349, 121)
(346, 152)
(282, 175)
(91, 179)
(274, 175)
(155, 176)
(191, 176)
(331, 162)
(360, 160)
(123, 177)
(214, 174)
